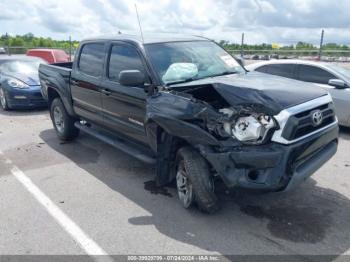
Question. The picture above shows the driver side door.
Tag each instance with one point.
(124, 107)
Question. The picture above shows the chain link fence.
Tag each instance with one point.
(327, 55)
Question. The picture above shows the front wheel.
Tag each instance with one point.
(195, 183)
(3, 100)
(62, 121)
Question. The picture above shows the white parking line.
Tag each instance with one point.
(85, 242)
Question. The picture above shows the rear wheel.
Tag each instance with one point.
(3, 100)
(195, 183)
(62, 121)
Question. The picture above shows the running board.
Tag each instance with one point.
(118, 143)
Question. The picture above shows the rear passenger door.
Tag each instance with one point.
(124, 107)
(86, 79)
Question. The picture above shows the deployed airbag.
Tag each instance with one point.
(179, 72)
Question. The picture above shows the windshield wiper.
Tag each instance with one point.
(193, 79)
(182, 81)
(225, 73)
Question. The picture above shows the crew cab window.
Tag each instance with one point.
(314, 74)
(123, 57)
(285, 70)
(91, 59)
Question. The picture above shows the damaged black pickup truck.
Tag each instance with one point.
(187, 106)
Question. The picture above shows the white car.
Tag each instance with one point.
(333, 78)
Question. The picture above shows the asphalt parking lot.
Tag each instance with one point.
(109, 196)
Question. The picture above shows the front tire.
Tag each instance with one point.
(194, 181)
(3, 100)
(62, 121)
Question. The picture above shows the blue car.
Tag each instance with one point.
(19, 83)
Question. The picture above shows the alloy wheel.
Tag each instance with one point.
(58, 119)
(2, 98)
(184, 185)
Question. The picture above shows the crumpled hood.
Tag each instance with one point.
(29, 79)
(270, 92)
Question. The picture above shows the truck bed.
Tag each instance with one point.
(65, 65)
(64, 69)
(55, 75)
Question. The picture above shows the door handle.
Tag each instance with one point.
(106, 92)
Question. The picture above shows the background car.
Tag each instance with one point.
(49, 55)
(19, 82)
(333, 78)
(2, 50)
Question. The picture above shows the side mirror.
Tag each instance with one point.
(131, 78)
(337, 83)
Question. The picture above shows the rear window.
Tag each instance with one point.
(61, 56)
(91, 59)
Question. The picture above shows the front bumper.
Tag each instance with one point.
(274, 167)
(25, 98)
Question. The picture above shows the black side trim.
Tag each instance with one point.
(119, 143)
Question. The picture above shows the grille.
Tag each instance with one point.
(301, 124)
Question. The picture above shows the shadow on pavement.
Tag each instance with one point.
(311, 220)
(344, 132)
(24, 112)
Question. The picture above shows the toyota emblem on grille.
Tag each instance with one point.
(316, 117)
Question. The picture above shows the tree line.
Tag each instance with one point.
(298, 46)
(30, 41)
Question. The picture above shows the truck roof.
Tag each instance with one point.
(150, 38)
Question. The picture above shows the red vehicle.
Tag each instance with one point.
(50, 55)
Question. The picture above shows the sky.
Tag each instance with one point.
(263, 21)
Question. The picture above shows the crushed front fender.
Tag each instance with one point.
(181, 117)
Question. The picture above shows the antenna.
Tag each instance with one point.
(138, 19)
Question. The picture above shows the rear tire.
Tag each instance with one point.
(194, 181)
(62, 121)
(3, 100)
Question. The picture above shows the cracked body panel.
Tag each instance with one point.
(192, 113)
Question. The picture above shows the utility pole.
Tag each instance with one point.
(321, 44)
(8, 43)
(242, 43)
(70, 48)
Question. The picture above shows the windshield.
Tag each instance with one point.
(345, 73)
(186, 61)
(22, 67)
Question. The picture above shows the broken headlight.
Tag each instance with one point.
(252, 128)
